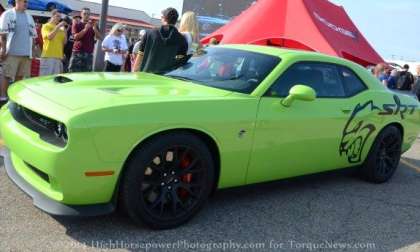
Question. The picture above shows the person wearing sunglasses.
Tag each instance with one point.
(115, 47)
(17, 35)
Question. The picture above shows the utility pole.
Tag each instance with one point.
(98, 57)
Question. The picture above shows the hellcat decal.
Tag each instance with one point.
(357, 131)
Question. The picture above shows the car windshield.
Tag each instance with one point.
(228, 69)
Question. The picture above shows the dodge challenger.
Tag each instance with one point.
(158, 145)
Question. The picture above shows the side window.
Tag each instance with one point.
(322, 77)
(352, 83)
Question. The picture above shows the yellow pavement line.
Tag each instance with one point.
(410, 165)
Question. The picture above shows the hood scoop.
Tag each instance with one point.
(115, 90)
(62, 79)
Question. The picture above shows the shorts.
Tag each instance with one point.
(80, 62)
(109, 67)
(50, 66)
(17, 66)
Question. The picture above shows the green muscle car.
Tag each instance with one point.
(157, 145)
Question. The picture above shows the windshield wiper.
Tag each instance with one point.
(180, 78)
(237, 78)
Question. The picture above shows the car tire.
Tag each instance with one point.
(51, 7)
(384, 156)
(167, 180)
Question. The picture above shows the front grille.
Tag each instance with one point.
(41, 174)
(44, 126)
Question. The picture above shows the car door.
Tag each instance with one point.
(305, 137)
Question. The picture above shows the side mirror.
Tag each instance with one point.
(301, 93)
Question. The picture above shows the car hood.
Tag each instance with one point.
(78, 91)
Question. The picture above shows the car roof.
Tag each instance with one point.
(290, 53)
(300, 55)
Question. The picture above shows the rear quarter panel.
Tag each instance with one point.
(375, 111)
(392, 108)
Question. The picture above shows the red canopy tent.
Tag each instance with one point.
(314, 25)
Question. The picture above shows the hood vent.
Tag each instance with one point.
(112, 90)
(62, 79)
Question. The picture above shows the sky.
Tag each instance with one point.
(389, 25)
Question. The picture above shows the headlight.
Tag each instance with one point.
(61, 131)
(49, 130)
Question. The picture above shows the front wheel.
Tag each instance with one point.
(168, 180)
(384, 156)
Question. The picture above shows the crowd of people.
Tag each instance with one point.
(398, 80)
(67, 45)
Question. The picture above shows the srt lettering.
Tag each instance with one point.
(398, 108)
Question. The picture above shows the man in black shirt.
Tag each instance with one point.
(406, 79)
(162, 49)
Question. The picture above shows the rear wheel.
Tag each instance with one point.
(384, 156)
(168, 180)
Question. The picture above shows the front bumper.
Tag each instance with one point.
(56, 172)
(48, 205)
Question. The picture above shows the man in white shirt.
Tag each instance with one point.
(115, 47)
(17, 34)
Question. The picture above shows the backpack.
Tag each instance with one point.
(405, 81)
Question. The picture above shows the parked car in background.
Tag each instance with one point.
(46, 5)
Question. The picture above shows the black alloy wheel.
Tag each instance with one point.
(173, 182)
(168, 180)
(389, 155)
(384, 156)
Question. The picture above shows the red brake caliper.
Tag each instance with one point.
(185, 162)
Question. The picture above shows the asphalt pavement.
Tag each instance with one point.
(327, 212)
